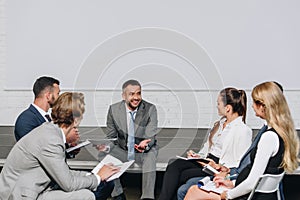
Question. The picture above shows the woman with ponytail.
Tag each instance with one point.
(227, 142)
(276, 151)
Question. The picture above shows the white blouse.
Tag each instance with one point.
(231, 143)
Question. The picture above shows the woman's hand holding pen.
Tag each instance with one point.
(212, 163)
(221, 174)
(221, 181)
(192, 154)
(221, 168)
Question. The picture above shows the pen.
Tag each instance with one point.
(229, 177)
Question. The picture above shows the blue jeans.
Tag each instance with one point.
(104, 190)
(182, 190)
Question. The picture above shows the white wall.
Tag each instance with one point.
(243, 43)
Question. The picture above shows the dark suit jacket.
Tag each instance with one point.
(245, 160)
(145, 123)
(27, 121)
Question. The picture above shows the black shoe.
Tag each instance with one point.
(119, 197)
(147, 199)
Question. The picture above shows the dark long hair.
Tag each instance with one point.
(237, 99)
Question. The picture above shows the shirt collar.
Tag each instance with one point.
(222, 121)
(41, 111)
(127, 109)
(63, 135)
(232, 123)
(237, 120)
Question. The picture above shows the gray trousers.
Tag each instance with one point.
(83, 194)
(147, 161)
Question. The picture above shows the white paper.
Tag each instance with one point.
(212, 169)
(205, 180)
(82, 144)
(210, 186)
(193, 158)
(184, 158)
(108, 159)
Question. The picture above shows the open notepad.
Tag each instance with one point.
(209, 186)
(109, 159)
(194, 158)
(89, 141)
(82, 144)
(210, 170)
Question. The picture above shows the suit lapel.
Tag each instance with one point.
(37, 114)
(139, 116)
(122, 117)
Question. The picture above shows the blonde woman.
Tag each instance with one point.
(276, 151)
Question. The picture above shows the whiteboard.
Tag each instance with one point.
(169, 45)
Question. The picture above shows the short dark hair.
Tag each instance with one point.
(130, 82)
(43, 83)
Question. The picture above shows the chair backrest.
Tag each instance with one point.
(267, 183)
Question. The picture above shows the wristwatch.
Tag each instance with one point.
(147, 148)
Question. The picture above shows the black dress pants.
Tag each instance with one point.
(177, 173)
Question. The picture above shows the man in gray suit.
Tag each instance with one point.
(133, 122)
(37, 162)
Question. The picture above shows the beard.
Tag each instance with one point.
(133, 107)
(51, 102)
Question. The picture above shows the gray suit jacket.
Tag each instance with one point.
(145, 123)
(35, 161)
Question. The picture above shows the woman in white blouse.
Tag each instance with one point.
(276, 151)
(228, 141)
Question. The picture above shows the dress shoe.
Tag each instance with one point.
(119, 197)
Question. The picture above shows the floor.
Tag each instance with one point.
(132, 185)
(132, 182)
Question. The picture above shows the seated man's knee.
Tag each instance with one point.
(104, 190)
(87, 194)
